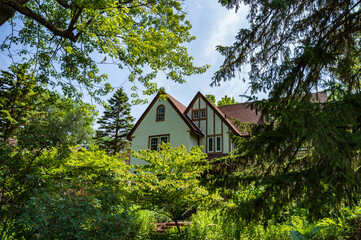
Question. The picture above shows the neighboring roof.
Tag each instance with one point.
(320, 97)
(180, 109)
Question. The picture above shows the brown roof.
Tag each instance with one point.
(243, 112)
(320, 97)
(181, 108)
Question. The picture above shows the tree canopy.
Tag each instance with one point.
(60, 39)
(307, 155)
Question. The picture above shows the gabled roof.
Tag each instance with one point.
(179, 108)
(237, 111)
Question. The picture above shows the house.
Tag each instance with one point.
(200, 123)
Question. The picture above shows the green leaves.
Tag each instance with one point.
(140, 36)
(306, 233)
(170, 180)
(81, 196)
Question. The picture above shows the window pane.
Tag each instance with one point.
(154, 143)
(161, 110)
(218, 144)
(164, 139)
(160, 113)
(160, 117)
(210, 144)
(203, 114)
(195, 115)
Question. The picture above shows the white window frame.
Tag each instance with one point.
(210, 145)
(233, 146)
(151, 144)
(203, 112)
(216, 143)
(195, 113)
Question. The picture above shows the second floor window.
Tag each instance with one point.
(160, 113)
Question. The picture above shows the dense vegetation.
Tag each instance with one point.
(296, 177)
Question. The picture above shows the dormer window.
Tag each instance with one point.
(160, 113)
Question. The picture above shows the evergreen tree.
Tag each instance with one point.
(115, 124)
(308, 155)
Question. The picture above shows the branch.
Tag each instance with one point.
(7, 12)
(64, 4)
(29, 13)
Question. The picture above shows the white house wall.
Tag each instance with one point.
(173, 125)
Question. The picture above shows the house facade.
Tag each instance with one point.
(200, 123)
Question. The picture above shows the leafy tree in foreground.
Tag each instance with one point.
(32, 120)
(170, 180)
(60, 39)
(81, 196)
(294, 48)
(115, 124)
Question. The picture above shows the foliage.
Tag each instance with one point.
(91, 186)
(170, 180)
(18, 91)
(211, 98)
(225, 100)
(307, 155)
(62, 39)
(307, 232)
(115, 124)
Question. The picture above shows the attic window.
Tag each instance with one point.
(160, 113)
(203, 113)
(195, 115)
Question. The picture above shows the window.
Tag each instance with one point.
(153, 143)
(219, 144)
(156, 140)
(210, 144)
(160, 113)
(195, 115)
(164, 139)
(203, 114)
(233, 146)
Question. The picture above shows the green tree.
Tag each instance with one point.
(211, 98)
(18, 90)
(90, 185)
(171, 180)
(226, 101)
(60, 38)
(307, 156)
(33, 119)
(115, 124)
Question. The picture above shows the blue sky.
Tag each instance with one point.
(212, 25)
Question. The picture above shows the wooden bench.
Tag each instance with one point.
(162, 227)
